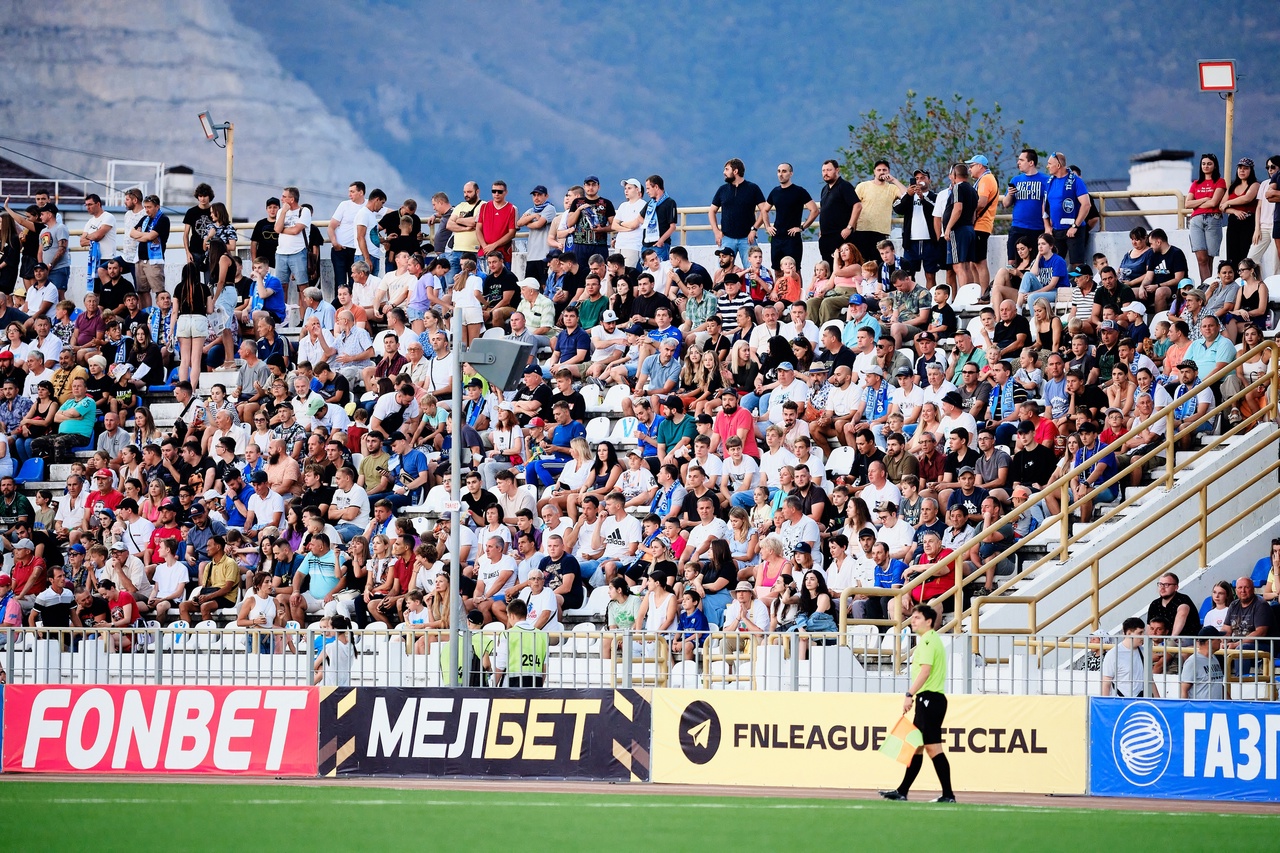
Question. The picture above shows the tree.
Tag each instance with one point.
(932, 136)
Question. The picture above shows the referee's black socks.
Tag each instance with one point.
(943, 768)
(913, 770)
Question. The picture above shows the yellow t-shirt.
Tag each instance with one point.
(877, 206)
(929, 651)
(987, 184)
(465, 241)
(223, 572)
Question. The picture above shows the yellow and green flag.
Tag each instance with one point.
(902, 742)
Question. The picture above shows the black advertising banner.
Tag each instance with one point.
(557, 734)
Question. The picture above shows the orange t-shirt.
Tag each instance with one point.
(789, 288)
(987, 184)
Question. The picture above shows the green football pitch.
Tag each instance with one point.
(281, 817)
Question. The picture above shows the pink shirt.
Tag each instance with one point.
(727, 426)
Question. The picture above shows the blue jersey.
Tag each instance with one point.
(1060, 201)
(1028, 201)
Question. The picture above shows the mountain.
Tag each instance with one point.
(128, 80)
(548, 92)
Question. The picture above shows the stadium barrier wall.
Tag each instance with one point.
(1030, 744)
(241, 731)
(1184, 749)
(548, 734)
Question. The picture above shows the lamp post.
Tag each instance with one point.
(1219, 75)
(228, 131)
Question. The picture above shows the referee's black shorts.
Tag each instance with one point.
(931, 709)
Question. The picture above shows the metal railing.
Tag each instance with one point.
(858, 661)
(1058, 533)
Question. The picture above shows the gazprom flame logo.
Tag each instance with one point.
(1141, 743)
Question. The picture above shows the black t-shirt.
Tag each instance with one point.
(788, 207)
(1034, 467)
(577, 404)
(837, 201)
(201, 222)
(816, 495)
(1091, 397)
(542, 394)
(738, 208)
(315, 497)
(1169, 266)
(127, 323)
(99, 387)
(557, 570)
(1170, 612)
(337, 385)
(397, 244)
(267, 240)
(390, 223)
(161, 227)
(477, 504)
(97, 613)
(604, 212)
(860, 464)
(689, 508)
(647, 306)
(945, 315)
(1006, 333)
(966, 196)
(954, 463)
(111, 295)
(496, 285)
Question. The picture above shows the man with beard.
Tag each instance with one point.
(282, 469)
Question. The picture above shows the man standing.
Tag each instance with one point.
(152, 234)
(984, 218)
(790, 203)
(368, 238)
(837, 205)
(99, 235)
(53, 249)
(263, 238)
(1123, 668)
(744, 206)
(1026, 197)
(659, 218)
(630, 222)
(873, 214)
(591, 217)
(928, 676)
(342, 233)
(289, 252)
(538, 220)
(496, 224)
(957, 225)
(520, 659)
(921, 249)
(1066, 210)
(196, 223)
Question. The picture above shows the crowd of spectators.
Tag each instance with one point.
(783, 439)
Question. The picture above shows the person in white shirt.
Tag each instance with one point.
(100, 229)
(746, 613)
(629, 222)
(170, 580)
(895, 533)
(544, 609)
(800, 326)
(342, 233)
(349, 510)
(128, 573)
(790, 389)
(879, 490)
(366, 288)
(953, 416)
(71, 506)
(495, 574)
(619, 534)
(368, 242)
(707, 530)
(740, 476)
(798, 527)
(135, 531)
(293, 229)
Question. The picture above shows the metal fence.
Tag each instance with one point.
(862, 660)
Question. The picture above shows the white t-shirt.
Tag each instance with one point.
(33, 380)
(1126, 669)
(605, 344)
(964, 419)
(797, 392)
(387, 404)
(441, 373)
(170, 578)
(618, 536)
(357, 497)
(740, 473)
(717, 529)
(337, 661)
(808, 330)
(344, 223)
(71, 512)
(632, 240)
(264, 509)
(840, 401)
(292, 244)
(772, 462)
(50, 348)
(37, 296)
(541, 603)
(713, 467)
(137, 534)
(365, 295)
(487, 572)
(108, 241)
(929, 394)
(469, 296)
(759, 340)
(873, 496)
(238, 432)
(804, 530)
(896, 537)
(369, 219)
(908, 404)
(756, 612)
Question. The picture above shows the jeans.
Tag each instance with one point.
(740, 245)
(342, 259)
(753, 400)
(746, 500)
(455, 263)
(397, 500)
(60, 277)
(543, 472)
(347, 530)
(374, 264)
(664, 253)
(1005, 433)
(1031, 282)
(295, 266)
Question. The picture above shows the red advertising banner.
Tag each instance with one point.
(246, 731)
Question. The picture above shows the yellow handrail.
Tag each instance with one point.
(954, 562)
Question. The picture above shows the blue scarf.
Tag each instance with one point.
(879, 404)
(155, 252)
(95, 255)
(1005, 396)
(651, 233)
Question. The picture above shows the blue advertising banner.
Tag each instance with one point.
(1184, 750)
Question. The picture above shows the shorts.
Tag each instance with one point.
(472, 315)
(149, 277)
(192, 326)
(1205, 232)
(960, 245)
(931, 710)
(333, 608)
(923, 254)
(222, 601)
(980, 239)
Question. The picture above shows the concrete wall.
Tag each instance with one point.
(1149, 521)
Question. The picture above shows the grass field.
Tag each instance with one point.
(284, 817)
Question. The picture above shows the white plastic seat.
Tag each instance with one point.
(494, 334)
(597, 604)
(838, 325)
(684, 675)
(624, 432)
(613, 398)
(841, 461)
(590, 396)
(597, 430)
(435, 499)
(966, 296)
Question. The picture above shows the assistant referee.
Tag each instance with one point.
(928, 675)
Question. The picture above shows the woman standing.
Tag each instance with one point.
(10, 249)
(192, 305)
(1239, 209)
(1204, 200)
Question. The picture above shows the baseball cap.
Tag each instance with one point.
(903, 371)
(918, 172)
(1205, 630)
(673, 401)
(1186, 362)
(538, 189)
(261, 476)
(532, 368)
(1088, 426)
(78, 549)
(477, 382)
(724, 250)
(608, 317)
(120, 546)
(926, 336)
(1080, 271)
(210, 495)
(866, 533)
(874, 370)
(537, 422)
(636, 451)
(315, 404)
(104, 474)
(803, 548)
(1136, 308)
(705, 419)
(856, 299)
(170, 503)
(24, 543)
(633, 182)
(962, 331)
(980, 159)
(1107, 326)
(953, 398)
(530, 282)
(634, 329)
(591, 179)
(5, 580)
(552, 254)
(197, 509)
(966, 469)
(41, 265)
(1185, 283)
(786, 365)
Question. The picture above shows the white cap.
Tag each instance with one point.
(1137, 308)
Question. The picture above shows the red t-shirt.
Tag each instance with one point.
(97, 501)
(23, 571)
(1205, 189)
(404, 574)
(493, 223)
(118, 606)
(159, 533)
(937, 584)
(727, 426)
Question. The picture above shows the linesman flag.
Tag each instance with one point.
(902, 742)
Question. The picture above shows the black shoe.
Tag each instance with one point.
(943, 799)
(894, 794)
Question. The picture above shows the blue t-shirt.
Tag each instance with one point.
(405, 469)
(1131, 269)
(1053, 268)
(1108, 459)
(234, 517)
(891, 575)
(273, 303)
(1028, 200)
(565, 433)
(1061, 196)
(1055, 397)
(660, 335)
(84, 424)
(321, 572)
(568, 343)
